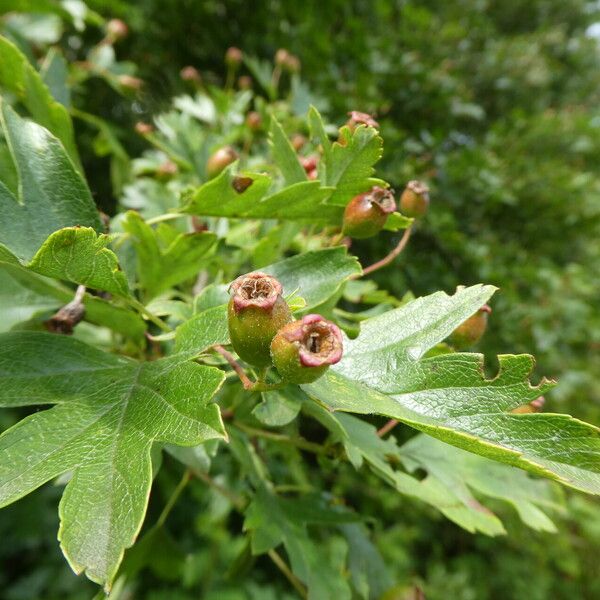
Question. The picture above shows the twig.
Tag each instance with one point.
(279, 437)
(387, 427)
(251, 386)
(79, 294)
(238, 502)
(282, 566)
(390, 257)
(246, 381)
(151, 317)
(185, 478)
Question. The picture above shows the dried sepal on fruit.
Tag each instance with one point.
(303, 350)
(256, 311)
(366, 214)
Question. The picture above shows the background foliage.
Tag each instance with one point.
(495, 105)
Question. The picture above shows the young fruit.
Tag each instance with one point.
(222, 158)
(116, 29)
(190, 73)
(303, 350)
(360, 118)
(533, 407)
(470, 332)
(366, 214)
(414, 201)
(245, 82)
(256, 312)
(253, 120)
(233, 57)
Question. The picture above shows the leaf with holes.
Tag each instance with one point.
(385, 371)
(109, 411)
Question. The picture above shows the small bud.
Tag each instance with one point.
(360, 118)
(129, 82)
(65, 320)
(143, 128)
(533, 407)
(298, 141)
(190, 73)
(366, 214)
(414, 201)
(222, 158)
(245, 82)
(313, 175)
(471, 331)
(303, 350)
(253, 120)
(116, 29)
(233, 57)
(256, 312)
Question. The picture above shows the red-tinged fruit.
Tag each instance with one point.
(309, 163)
(256, 312)
(414, 201)
(360, 118)
(366, 214)
(298, 141)
(143, 128)
(221, 159)
(245, 82)
(253, 120)
(471, 331)
(190, 73)
(303, 350)
(116, 29)
(533, 407)
(233, 57)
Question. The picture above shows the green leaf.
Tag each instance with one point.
(284, 155)
(447, 487)
(51, 194)
(300, 201)
(316, 275)
(163, 263)
(350, 164)
(448, 396)
(455, 471)
(396, 221)
(203, 331)
(218, 197)
(279, 407)
(273, 521)
(80, 255)
(317, 131)
(109, 411)
(21, 79)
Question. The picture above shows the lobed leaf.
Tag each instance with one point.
(109, 411)
(20, 78)
(447, 396)
(51, 194)
(164, 264)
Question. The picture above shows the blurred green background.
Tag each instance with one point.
(495, 103)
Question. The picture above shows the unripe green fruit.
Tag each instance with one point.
(366, 214)
(303, 350)
(414, 201)
(470, 332)
(221, 159)
(256, 312)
